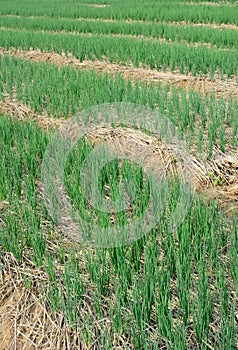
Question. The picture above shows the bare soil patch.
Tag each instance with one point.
(202, 84)
(208, 3)
(96, 5)
(209, 25)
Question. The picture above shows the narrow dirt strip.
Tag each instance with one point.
(132, 21)
(201, 24)
(208, 3)
(204, 85)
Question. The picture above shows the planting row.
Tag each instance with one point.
(166, 289)
(65, 91)
(220, 38)
(197, 60)
(134, 9)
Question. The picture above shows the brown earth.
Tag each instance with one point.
(202, 84)
(96, 5)
(208, 3)
(209, 25)
(171, 23)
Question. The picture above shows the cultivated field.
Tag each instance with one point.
(175, 286)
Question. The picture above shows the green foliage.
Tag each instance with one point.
(167, 289)
(65, 91)
(225, 38)
(154, 10)
(158, 287)
(196, 59)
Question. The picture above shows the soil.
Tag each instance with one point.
(208, 3)
(97, 5)
(209, 25)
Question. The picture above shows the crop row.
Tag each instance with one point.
(197, 60)
(65, 91)
(129, 286)
(220, 38)
(136, 10)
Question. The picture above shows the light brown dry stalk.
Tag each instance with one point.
(26, 322)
